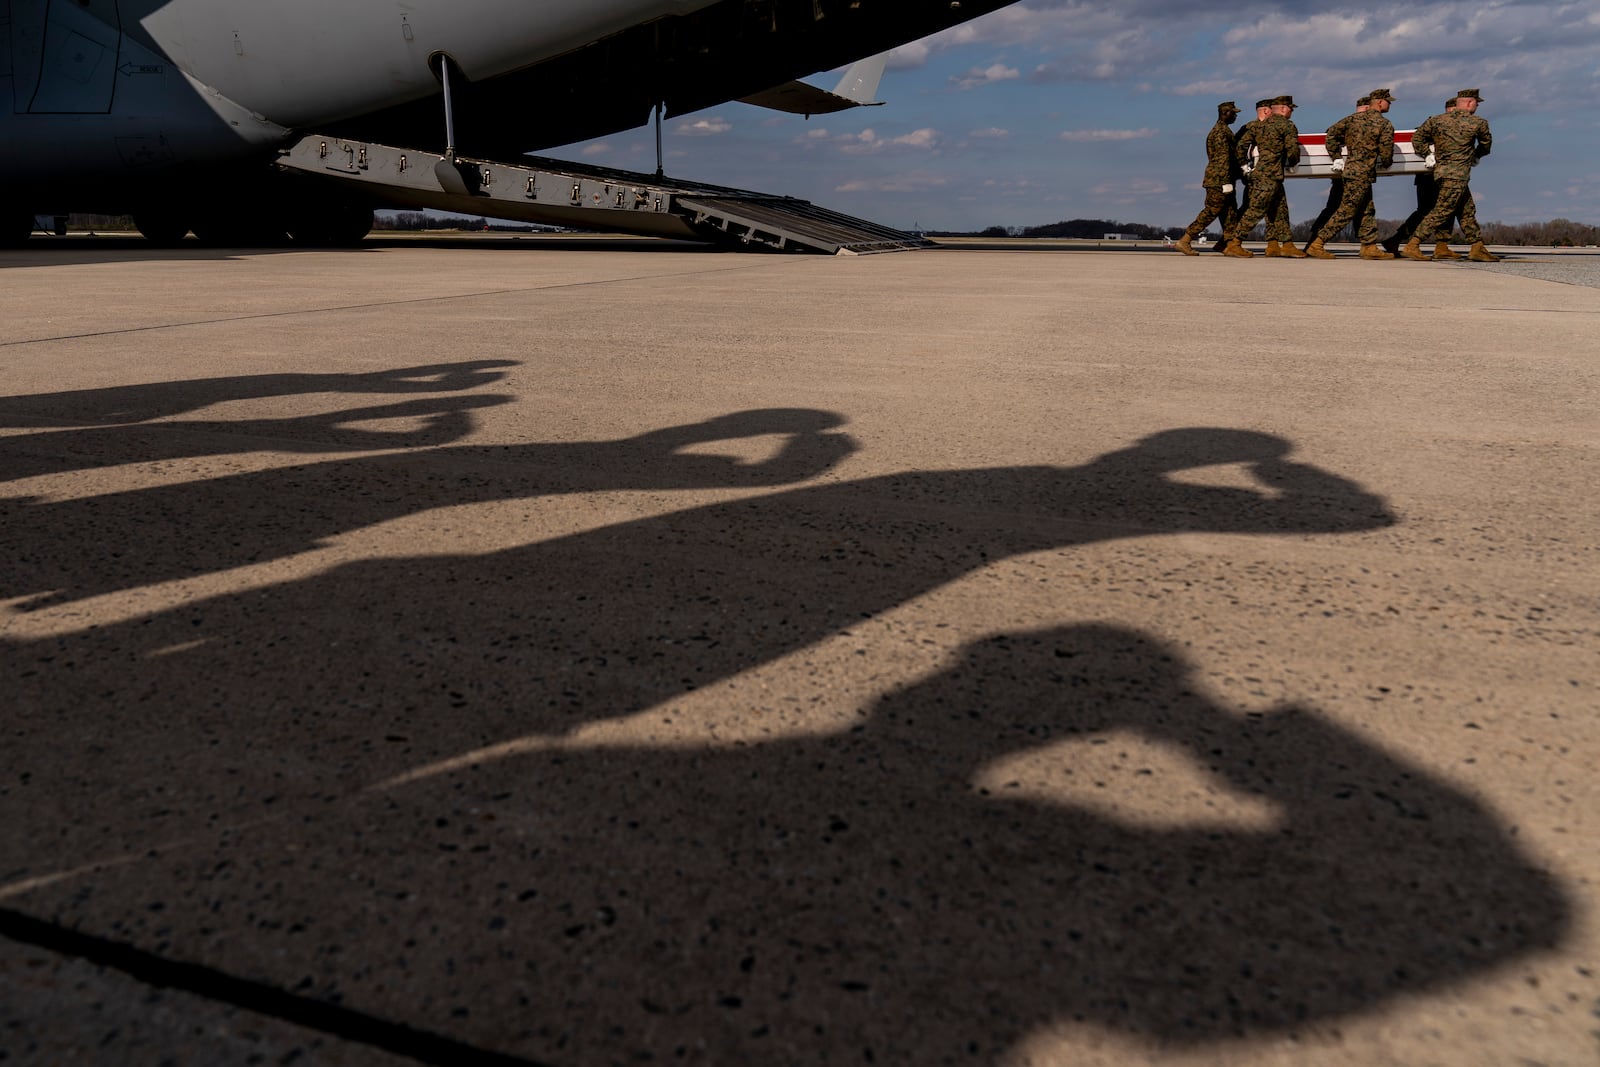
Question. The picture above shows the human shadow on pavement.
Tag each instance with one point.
(456, 652)
(360, 786)
(122, 405)
(85, 546)
(84, 429)
(877, 896)
(432, 422)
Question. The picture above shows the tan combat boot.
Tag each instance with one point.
(1374, 252)
(1290, 250)
(1315, 250)
(1480, 254)
(1413, 250)
(1184, 246)
(1274, 250)
(1236, 249)
(1442, 251)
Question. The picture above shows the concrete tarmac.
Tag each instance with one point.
(580, 653)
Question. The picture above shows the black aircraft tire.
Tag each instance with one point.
(15, 229)
(220, 231)
(334, 224)
(161, 228)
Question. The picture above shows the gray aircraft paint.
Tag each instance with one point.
(106, 105)
(219, 80)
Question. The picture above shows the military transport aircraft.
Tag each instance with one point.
(174, 111)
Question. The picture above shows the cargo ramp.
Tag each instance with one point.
(558, 193)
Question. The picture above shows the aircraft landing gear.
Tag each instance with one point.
(329, 222)
(162, 227)
(274, 210)
(15, 228)
(222, 228)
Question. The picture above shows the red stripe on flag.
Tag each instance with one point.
(1310, 139)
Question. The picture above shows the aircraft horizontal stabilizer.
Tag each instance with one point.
(856, 89)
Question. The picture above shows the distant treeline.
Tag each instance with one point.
(1557, 233)
(1074, 229)
(417, 220)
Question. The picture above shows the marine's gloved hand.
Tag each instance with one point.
(1228, 188)
(1430, 161)
(1247, 168)
(1338, 166)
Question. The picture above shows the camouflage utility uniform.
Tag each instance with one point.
(1277, 143)
(1336, 184)
(1370, 138)
(1428, 195)
(1458, 140)
(1222, 169)
(1427, 188)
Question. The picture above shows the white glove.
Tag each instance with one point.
(1247, 168)
(1338, 166)
(1228, 188)
(1430, 161)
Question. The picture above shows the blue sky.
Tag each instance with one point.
(1056, 109)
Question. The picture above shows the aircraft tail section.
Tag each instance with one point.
(856, 89)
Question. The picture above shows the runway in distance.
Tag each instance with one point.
(173, 111)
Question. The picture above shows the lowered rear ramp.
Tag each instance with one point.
(557, 193)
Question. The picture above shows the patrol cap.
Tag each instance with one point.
(1227, 105)
(1383, 94)
(1263, 103)
(1471, 94)
(1363, 100)
(1286, 100)
(1450, 103)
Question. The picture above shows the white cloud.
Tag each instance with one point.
(599, 148)
(868, 142)
(1131, 190)
(1014, 187)
(1534, 52)
(908, 182)
(1132, 187)
(974, 78)
(993, 133)
(1107, 135)
(710, 126)
(1211, 87)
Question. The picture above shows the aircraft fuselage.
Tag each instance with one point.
(132, 86)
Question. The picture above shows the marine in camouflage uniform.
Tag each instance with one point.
(1244, 142)
(1222, 171)
(1336, 185)
(1276, 142)
(1278, 232)
(1369, 137)
(1457, 141)
(1283, 110)
(1427, 190)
